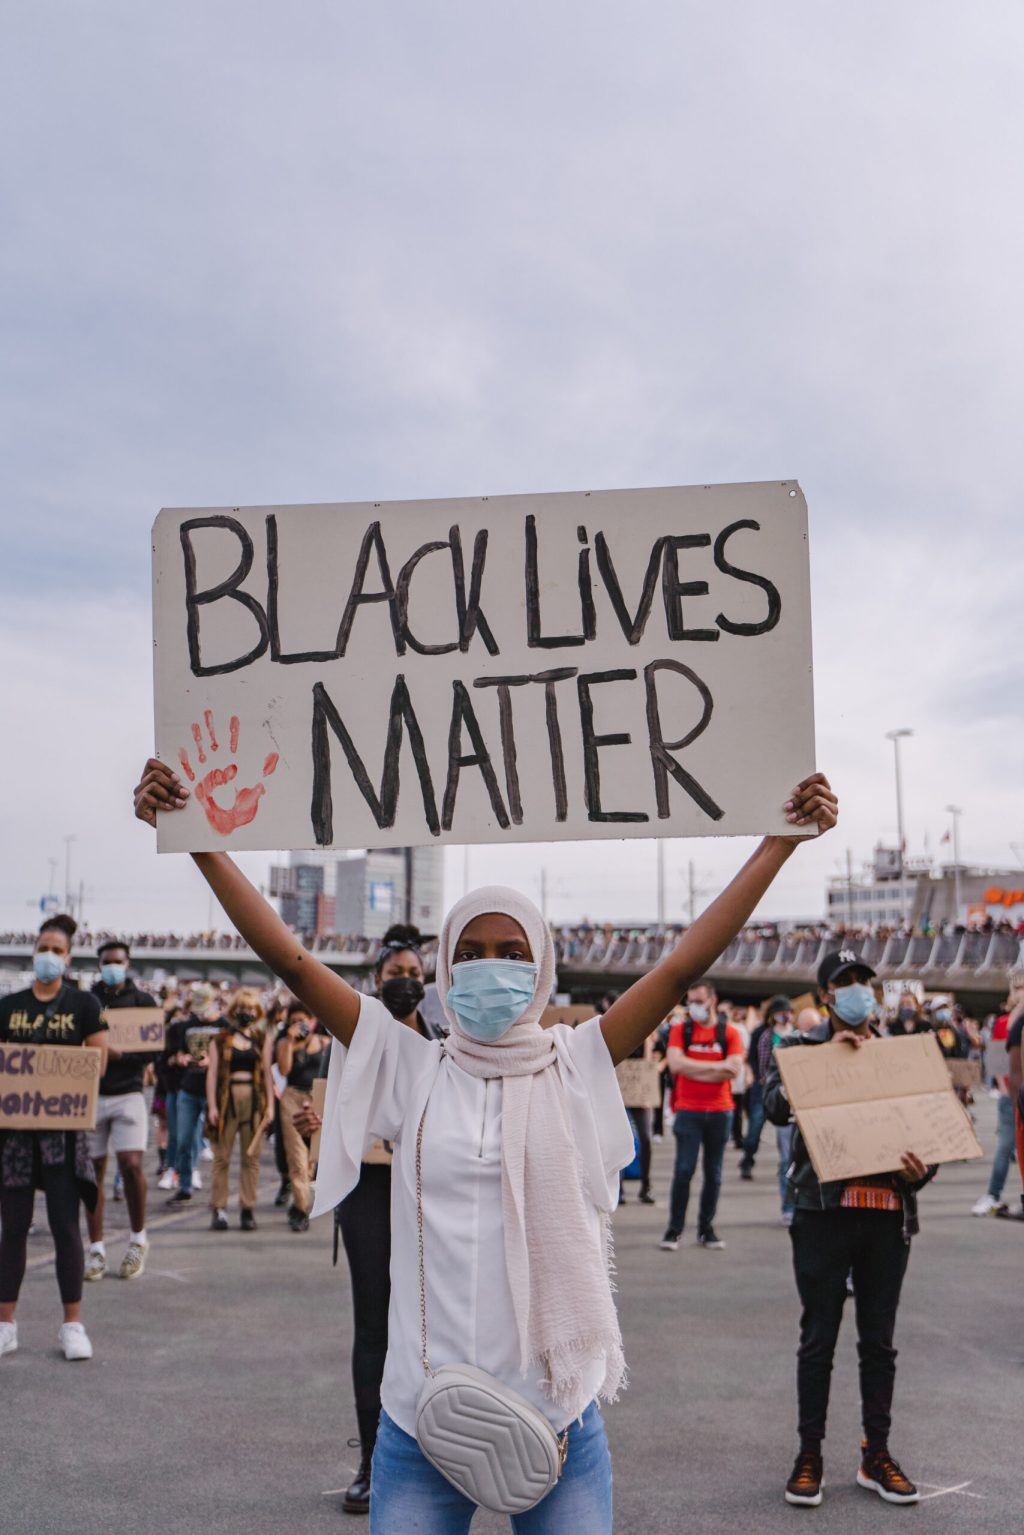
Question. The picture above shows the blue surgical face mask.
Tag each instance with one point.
(488, 996)
(114, 975)
(698, 1011)
(942, 1014)
(854, 1004)
(47, 966)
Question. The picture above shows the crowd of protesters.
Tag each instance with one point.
(238, 1065)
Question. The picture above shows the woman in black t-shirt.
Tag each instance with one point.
(53, 1012)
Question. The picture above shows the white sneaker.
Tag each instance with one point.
(95, 1264)
(197, 1182)
(167, 1179)
(8, 1337)
(985, 1205)
(74, 1340)
(206, 1155)
(134, 1261)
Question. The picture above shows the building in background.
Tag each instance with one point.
(334, 891)
(884, 894)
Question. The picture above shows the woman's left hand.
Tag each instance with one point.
(813, 803)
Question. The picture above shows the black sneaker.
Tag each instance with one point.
(806, 1480)
(248, 1221)
(709, 1238)
(647, 1198)
(218, 1221)
(297, 1219)
(178, 1198)
(746, 1173)
(670, 1241)
(880, 1473)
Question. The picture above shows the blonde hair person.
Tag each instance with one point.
(523, 1134)
(238, 1104)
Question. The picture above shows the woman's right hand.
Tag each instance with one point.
(159, 788)
(306, 1119)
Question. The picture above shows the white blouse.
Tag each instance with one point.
(378, 1088)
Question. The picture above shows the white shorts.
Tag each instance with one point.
(122, 1124)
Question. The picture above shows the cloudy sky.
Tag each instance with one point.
(259, 253)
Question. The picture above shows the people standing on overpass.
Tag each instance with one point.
(239, 1103)
(861, 1225)
(50, 1012)
(705, 1055)
(122, 1121)
(509, 1140)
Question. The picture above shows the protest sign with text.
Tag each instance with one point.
(48, 1087)
(639, 1083)
(133, 1030)
(514, 668)
(860, 1110)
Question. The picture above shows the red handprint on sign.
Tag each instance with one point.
(223, 819)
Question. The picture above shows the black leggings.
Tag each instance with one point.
(365, 1220)
(641, 1122)
(62, 1207)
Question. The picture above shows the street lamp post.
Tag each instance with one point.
(895, 736)
(956, 812)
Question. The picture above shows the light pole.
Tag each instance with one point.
(895, 736)
(67, 871)
(661, 882)
(956, 812)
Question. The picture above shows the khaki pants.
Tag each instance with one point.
(238, 1121)
(295, 1149)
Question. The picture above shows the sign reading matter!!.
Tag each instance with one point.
(514, 668)
(48, 1087)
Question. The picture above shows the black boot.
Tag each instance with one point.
(357, 1497)
(283, 1194)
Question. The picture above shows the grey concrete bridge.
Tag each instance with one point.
(974, 966)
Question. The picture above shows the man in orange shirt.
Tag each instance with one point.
(705, 1055)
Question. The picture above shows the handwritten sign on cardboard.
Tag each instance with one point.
(48, 1087)
(573, 1013)
(135, 1029)
(491, 669)
(964, 1073)
(640, 1084)
(860, 1110)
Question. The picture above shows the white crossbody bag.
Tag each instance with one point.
(486, 1439)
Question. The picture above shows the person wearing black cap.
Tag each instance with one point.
(862, 1227)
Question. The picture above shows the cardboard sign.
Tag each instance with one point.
(892, 991)
(135, 1029)
(573, 1013)
(640, 1083)
(48, 1087)
(860, 1110)
(965, 1074)
(495, 669)
(1016, 984)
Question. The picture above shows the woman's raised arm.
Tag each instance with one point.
(328, 997)
(639, 1010)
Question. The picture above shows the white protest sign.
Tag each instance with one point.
(515, 668)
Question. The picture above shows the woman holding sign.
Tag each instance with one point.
(50, 1012)
(509, 1139)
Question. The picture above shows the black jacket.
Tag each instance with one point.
(808, 1193)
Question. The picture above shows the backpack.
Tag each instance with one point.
(720, 1036)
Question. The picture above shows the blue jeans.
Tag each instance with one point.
(189, 1122)
(696, 1129)
(784, 1141)
(755, 1124)
(1004, 1147)
(409, 1497)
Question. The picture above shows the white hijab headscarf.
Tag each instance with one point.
(551, 1168)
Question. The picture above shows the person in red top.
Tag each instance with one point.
(705, 1055)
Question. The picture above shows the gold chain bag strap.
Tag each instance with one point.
(486, 1439)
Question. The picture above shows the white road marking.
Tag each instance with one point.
(944, 1492)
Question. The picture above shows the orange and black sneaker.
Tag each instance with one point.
(806, 1481)
(880, 1473)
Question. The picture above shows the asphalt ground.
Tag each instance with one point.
(219, 1397)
